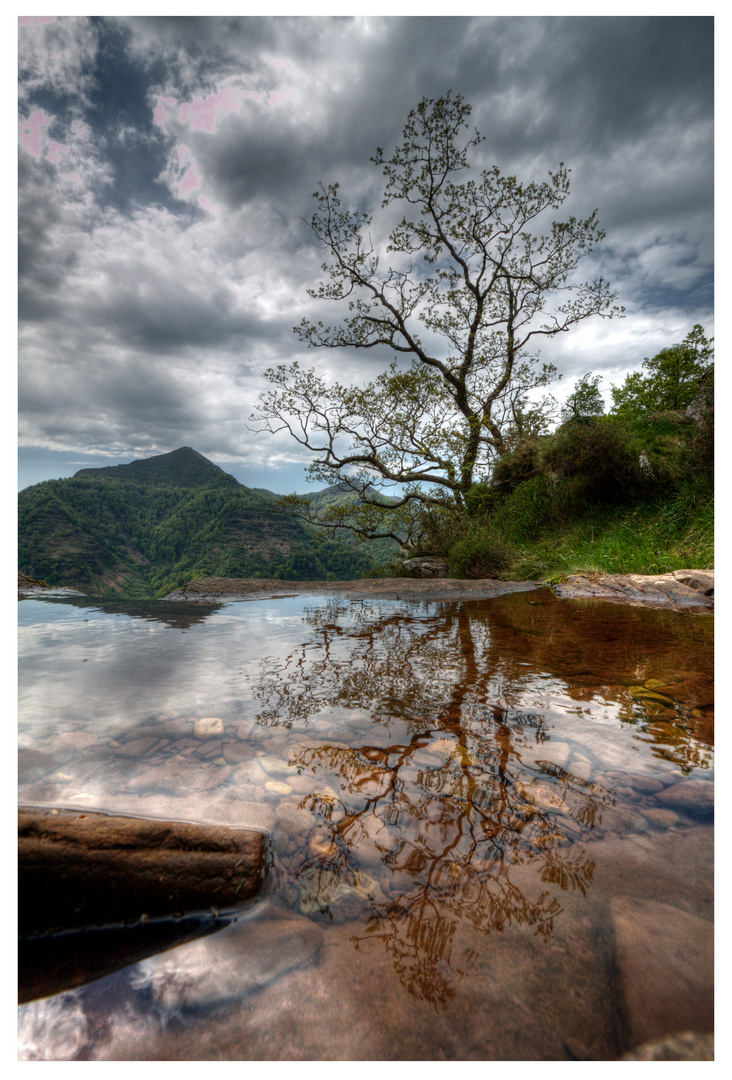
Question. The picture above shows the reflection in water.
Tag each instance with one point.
(431, 829)
(439, 778)
(179, 616)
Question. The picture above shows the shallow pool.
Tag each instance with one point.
(491, 821)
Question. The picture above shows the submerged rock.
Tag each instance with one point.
(688, 1046)
(236, 961)
(208, 727)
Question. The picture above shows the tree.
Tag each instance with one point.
(585, 401)
(673, 378)
(466, 285)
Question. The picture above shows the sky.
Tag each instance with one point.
(166, 175)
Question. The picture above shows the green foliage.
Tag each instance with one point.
(672, 381)
(116, 533)
(585, 400)
(585, 503)
(599, 457)
(480, 554)
(517, 466)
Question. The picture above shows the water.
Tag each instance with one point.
(491, 821)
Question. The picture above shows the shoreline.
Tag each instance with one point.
(678, 590)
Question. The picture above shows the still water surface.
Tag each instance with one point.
(490, 820)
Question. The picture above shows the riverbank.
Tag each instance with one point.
(681, 589)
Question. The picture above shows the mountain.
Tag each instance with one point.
(180, 468)
(145, 528)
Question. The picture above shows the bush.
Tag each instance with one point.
(599, 456)
(480, 555)
(517, 466)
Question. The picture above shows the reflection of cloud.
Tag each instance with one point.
(65, 1016)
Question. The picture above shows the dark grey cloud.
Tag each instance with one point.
(166, 174)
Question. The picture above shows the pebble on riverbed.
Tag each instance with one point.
(207, 727)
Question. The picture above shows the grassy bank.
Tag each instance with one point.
(612, 495)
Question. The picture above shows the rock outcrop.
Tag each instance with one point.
(678, 589)
(428, 566)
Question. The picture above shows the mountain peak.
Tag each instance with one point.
(183, 467)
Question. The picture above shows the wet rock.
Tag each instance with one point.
(204, 590)
(700, 580)
(82, 869)
(325, 892)
(646, 785)
(178, 729)
(542, 796)
(688, 1046)
(73, 741)
(175, 775)
(665, 959)
(138, 747)
(275, 766)
(236, 961)
(210, 750)
(218, 776)
(664, 818)
(277, 787)
(208, 727)
(291, 822)
(551, 753)
(236, 752)
(580, 769)
(696, 796)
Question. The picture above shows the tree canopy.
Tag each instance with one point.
(672, 380)
(463, 291)
(585, 401)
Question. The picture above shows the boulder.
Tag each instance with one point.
(91, 869)
(429, 566)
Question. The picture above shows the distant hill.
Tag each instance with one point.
(180, 468)
(145, 528)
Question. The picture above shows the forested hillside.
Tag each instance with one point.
(145, 528)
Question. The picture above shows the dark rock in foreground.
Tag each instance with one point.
(88, 869)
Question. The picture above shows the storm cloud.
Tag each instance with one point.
(167, 167)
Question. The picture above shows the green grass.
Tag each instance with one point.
(616, 496)
(656, 538)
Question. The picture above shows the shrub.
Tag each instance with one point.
(480, 555)
(598, 455)
(518, 465)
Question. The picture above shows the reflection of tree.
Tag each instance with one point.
(449, 814)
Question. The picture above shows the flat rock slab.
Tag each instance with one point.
(210, 589)
(80, 869)
(679, 589)
(665, 959)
